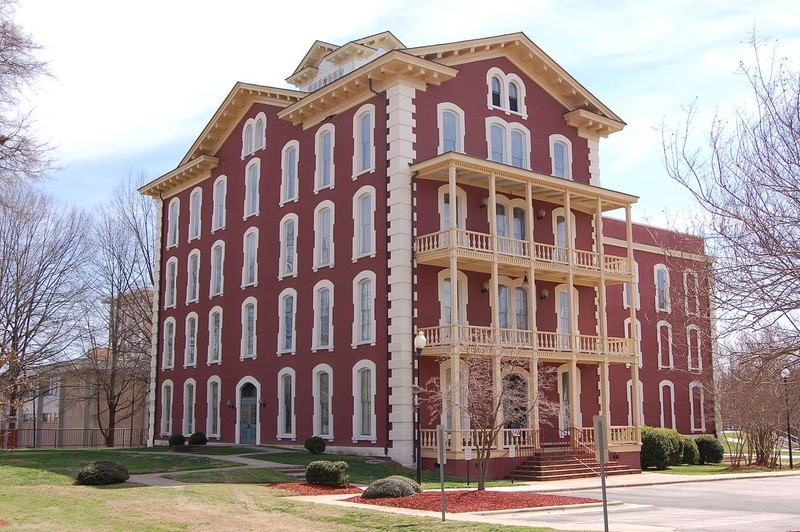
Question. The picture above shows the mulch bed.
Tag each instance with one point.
(475, 501)
(303, 488)
(4, 523)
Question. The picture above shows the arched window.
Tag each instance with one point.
(173, 213)
(288, 256)
(166, 408)
(215, 336)
(509, 143)
(363, 222)
(446, 298)
(451, 127)
(190, 354)
(250, 264)
(286, 385)
(628, 287)
(323, 312)
(693, 343)
(513, 97)
(252, 176)
(691, 288)
(261, 129)
(220, 186)
(697, 400)
(364, 401)
(497, 94)
(638, 338)
(286, 316)
(498, 144)
(661, 275)
(193, 276)
(364, 308)
(667, 399)
(289, 172)
(188, 406)
(325, 167)
(170, 296)
(213, 397)
(665, 359)
(249, 141)
(323, 233)
(323, 391)
(506, 92)
(195, 207)
(249, 314)
(168, 354)
(217, 268)
(561, 156)
(363, 136)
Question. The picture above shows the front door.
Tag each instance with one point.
(247, 414)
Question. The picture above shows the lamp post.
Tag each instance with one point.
(419, 344)
(785, 376)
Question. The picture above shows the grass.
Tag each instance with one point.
(60, 466)
(35, 495)
(232, 476)
(709, 469)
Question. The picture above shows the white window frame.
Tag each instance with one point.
(357, 140)
(574, 308)
(282, 350)
(317, 397)
(253, 131)
(667, 307)
(289, 173)
(210, 420)
(463, 297)
(173, 222)
(319, 167)
(195, 213)
(252, 189)
(284, 252)
(629, 388)
(189, 408)
(217, 265)
(694, 351)
(665, 384)
(505, 103)
(363, 365)
(168, 348)
(627, 326)
(246, 251)
(243, 354)
(209, 360)
(193, 285)
(327, 204)
(508, 128)
(220, 212)
(280, 433)
(662, 349)
(695, 427)
(316, 344)
(626, 288)
(441, 109)
(187, 362)
(171, 283)
(553, 139)
(460, 206)
(167, 396)
(365, 276)
(690, 278)
(365, 191)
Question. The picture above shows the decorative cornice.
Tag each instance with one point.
(591, 125)
(181, 178)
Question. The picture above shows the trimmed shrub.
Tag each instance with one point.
(690, 452)
(675, 446)
(327, 473)
(102, 473)
(177, 439)
(710, 449)
(315, 445)
(656, 448)
(410, 481)
(389, 488)
(198, 438)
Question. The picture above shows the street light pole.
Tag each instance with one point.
(785, 375)
(419, 344)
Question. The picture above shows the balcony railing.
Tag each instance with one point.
(511, 248)
(489, 338)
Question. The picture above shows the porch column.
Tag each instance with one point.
(497, 385)
(494, 282)
(573, 311)
(455, 401)
(574, 396)
(601, 289)
(634, 334)
(605, 398)
(532, 301)
(533, 399)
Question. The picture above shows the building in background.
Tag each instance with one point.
(308, 235)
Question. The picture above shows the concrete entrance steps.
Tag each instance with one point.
(566, 464)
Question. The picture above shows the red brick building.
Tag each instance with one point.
(309, 234)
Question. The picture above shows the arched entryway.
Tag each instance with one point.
(248, 413)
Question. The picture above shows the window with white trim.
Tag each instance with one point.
(451, 127)
(190, 351)
(261, 131)
(287, 310)
(560, 156)
(364, 308)
(323, 316)
(173, 216)
(691, 287)
(638, 338)
(445, 298)
(363, 222)
(289, 162)
(506, 92)
(166, 408)
(220, 191)
(249, 315)
(325, 142)
(288, 255)
(170, 290)
(217, 269)
(661, 278)
(697, 404)
(508, 143)
(195, 209)
(252, 177)
(629, 387)
(665, 360)
(693, 343)
(254, 134)
(215, 336)
(323, 393)
(213, 410)
(250, 259)
(666, 395)
(193, 276)
(286, 414)
(364, 140)
(323, 235)
(626, 290)
(444, 208)
(364, 401)
(168, 349)
(188, 406)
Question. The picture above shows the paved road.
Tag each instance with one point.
(746, 505)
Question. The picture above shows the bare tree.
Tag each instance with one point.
(493, 395)
(745, 175)
(42, 252)
(116, 333)
(22, 155)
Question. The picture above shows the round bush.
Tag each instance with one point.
(656, 448)
(315, 445)
(198, 438)
(328, 473)
(710, 449)
(675, 446)
(410, 481)
(102, 473)
(388, 488)
(177, 439)
(690, 452)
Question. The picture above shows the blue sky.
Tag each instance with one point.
(134, 83)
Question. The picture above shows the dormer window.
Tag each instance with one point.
(506, 92)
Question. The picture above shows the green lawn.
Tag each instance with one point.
(708, 469)
(36, 492)
(232, 476)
